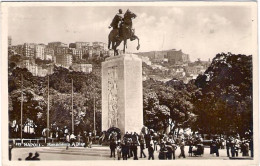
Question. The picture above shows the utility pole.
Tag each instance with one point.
(48, 112)
(22, 109)
(72, 118)
(94, 116)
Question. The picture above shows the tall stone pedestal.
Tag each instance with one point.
(122, 93)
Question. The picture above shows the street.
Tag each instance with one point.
(98, 152)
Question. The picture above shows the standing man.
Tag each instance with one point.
(10, 151)
(112, 148)
(124, 150)
(182, 145)
(228, 146)
(150, 151)
(142, 149)
(135, 150)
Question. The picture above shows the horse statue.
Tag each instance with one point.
(115, 38)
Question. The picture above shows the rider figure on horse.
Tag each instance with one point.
(118, 21)
(122, 30)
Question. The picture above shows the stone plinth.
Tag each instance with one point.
(122, 93)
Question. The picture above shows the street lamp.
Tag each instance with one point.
(22, 109)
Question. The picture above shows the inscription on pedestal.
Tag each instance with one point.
(112, 97)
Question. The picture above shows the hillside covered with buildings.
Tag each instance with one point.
(40, 60)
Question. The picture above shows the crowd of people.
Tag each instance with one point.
(133, 145)
(166, 144)
(127, 147)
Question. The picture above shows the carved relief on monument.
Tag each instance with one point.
(112, 97)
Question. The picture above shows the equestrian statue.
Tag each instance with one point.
(122, 30)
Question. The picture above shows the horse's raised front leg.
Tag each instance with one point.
(138, 46)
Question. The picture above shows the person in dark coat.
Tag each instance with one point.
(124, 150)
(131, 148)
(151, 152)
(112, 148)
(147, 138)
(215, 147)
(190, 147)
(10, 151)
(169, 151)
(36, 156)
(142, 149)
(29, 157)
(128, 148)
(135, 150)
(228, 147)
(163, 152)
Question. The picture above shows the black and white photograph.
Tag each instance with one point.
(97, 81)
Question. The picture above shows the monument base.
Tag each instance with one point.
(122, 93)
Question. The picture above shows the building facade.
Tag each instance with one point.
(65, 60)
(54, 45)
(86, 68)
(77, 53)
(80, 45)
(29, 49)
(39, 52)
(175, 57)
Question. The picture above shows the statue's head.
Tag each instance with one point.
(120, 11)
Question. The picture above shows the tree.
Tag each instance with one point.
(223, 102)
(174, 98)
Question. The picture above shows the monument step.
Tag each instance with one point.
(78, 151)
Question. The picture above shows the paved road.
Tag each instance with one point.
(97, 153)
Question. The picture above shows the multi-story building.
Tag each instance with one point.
(54, 45)
(98, 45)
(33, 69)
(64, 60)
(72, 45)
(77, 53)
(80, 45)
(62, 50)
(39, 51)
(86, 68)
(90, 53)
(29, 49)
(48, 53)
(175, 56)
(30, 66)
(154, 56)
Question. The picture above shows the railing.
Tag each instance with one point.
(36, 140)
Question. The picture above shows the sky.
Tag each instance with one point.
(199, 31)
